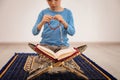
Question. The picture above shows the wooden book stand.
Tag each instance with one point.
(42, 63)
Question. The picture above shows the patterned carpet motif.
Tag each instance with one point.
(13, 70)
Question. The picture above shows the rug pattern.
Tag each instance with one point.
(13, 70)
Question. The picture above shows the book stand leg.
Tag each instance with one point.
(37, 65)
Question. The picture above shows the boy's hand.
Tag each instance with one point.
(46, 18)
(60, 18)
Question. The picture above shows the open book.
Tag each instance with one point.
(59, 55)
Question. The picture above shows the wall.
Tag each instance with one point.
(95, 20)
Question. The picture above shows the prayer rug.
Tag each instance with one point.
(14, 70)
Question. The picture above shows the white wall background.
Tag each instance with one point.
(95, 20)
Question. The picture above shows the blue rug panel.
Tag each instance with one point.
(16, 71)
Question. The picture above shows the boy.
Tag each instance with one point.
(58, 23)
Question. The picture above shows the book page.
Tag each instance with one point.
(58, 55)
(47, 51)
(65, 53)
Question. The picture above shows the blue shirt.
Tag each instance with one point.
(56, 37)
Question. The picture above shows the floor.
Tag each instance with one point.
(106, 55)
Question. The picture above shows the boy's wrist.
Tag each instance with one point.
(40, 25)
(65, 24)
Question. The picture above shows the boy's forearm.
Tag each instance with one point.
(40, 25)
(65, 24)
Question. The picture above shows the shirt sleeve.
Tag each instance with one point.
(35, 30)
(70, 29)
